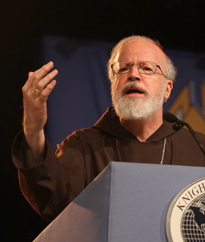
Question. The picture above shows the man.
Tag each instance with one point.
(133, 130)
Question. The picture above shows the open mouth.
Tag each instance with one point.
(133, 91)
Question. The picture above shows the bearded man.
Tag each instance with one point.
(131, 130)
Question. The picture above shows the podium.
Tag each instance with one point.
(127, 202)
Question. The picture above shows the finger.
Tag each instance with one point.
(41, 84)
(39, 74)
(34, 84)
(26, 85)
(33, 77)
(30, 74)
(47, 90)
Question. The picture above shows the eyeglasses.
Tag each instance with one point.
(144, 67)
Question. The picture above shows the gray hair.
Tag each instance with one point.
(170, 70)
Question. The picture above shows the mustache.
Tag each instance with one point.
(134, 85)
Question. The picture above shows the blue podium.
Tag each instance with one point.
(127, 202)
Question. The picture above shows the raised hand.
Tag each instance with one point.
(35, 94)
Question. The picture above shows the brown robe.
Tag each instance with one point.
(50, 185)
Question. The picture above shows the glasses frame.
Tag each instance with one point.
(132, 64)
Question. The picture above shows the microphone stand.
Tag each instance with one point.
(179, 124)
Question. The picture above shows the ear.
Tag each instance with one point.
(168, 89)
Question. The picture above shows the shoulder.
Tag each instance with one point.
(186, 135)
(86, 134)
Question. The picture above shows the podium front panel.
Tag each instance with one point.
(126, 202)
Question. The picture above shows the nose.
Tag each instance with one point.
(134, 74)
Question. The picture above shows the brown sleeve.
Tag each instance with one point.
(51, 184)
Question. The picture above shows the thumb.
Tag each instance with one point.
(30, 74)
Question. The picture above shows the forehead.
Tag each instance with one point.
(141, 50)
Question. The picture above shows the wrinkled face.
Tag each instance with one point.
(138, 95)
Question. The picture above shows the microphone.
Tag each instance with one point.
(170, 117)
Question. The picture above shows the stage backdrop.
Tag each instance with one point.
(82, 93)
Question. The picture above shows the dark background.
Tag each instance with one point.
(178, 24)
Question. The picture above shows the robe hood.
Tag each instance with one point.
(109, 123)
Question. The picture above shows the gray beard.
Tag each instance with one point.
(137, 108)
